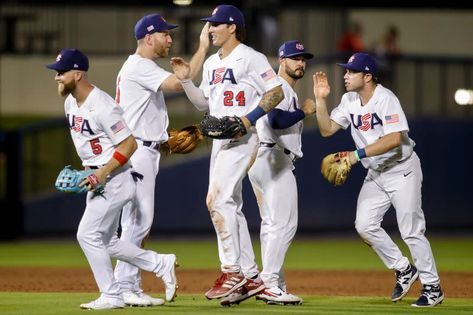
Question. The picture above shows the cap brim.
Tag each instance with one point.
(349, 67)
(305, 55)
(216, 20)
(212, 19)
(171, 26)
(54, 66)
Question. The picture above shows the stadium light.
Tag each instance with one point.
(182, 2)
(464, 97)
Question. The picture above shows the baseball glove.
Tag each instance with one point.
(227, 127)
(336, 167)
(182, 141)
(69, 179)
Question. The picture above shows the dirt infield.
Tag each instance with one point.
(349, 283)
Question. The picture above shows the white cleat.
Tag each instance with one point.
(102, 304)
(153, 301)
(277, 296)
(133, 299)
(169, 277)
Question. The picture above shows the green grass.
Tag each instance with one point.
(68, 303)
(452, 254)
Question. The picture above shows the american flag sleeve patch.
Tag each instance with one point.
(268, 75)
(117, 126)
(391, 119)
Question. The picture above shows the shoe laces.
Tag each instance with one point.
(224, 277)
(429, 290)
(401, 274)
(221, 279)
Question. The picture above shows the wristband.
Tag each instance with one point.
(120, 158)
(360, 154)
(255, 114)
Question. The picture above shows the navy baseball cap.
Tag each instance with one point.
(226, 14)
(293, 48)
(361, 62)
(150, 24)
(70, 59)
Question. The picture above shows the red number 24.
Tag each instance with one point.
(229, 96)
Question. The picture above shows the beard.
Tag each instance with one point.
(65, 89)
(296, 74)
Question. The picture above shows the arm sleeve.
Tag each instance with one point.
(262, 75)
(195, 95)
(149, 75)
(340, 114)
(281, 119)
(110, 118)
(392, 115)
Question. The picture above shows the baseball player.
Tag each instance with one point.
(272, 175)
(237, 80)
(380, 131)
(104, 143)
(139, 91)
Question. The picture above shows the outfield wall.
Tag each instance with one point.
(442, 145)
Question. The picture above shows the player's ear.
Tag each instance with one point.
(232, 28)
(78, 75)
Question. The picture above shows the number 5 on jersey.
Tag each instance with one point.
(96, 147)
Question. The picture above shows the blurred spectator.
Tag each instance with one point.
(387, 50)
(351, 41)
(263, 17)
(389, 43)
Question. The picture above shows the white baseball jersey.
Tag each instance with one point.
(382, 115)
(96, 127)
(273, 180)
(398, 172)
(235, 84)
(138, 94)
(289, 138)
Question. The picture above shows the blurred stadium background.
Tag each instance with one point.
(436, 60)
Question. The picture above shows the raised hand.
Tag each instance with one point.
(181, 68)
(204, 39)
(321, 86)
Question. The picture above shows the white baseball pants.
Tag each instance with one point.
(399, 186)
(276, 190)
(97, 235)
(229, 164)
(137, 215)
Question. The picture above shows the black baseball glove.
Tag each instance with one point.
(227, 127)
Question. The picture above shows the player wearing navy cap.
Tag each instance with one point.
(235, 80)
(140, 86)
(104, 143)
(380, 131)
(272, 176)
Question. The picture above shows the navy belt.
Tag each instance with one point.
(270, 145)
(150, 144)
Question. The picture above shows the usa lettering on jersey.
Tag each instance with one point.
(219, 75)
(79, 124)
(366, 121)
